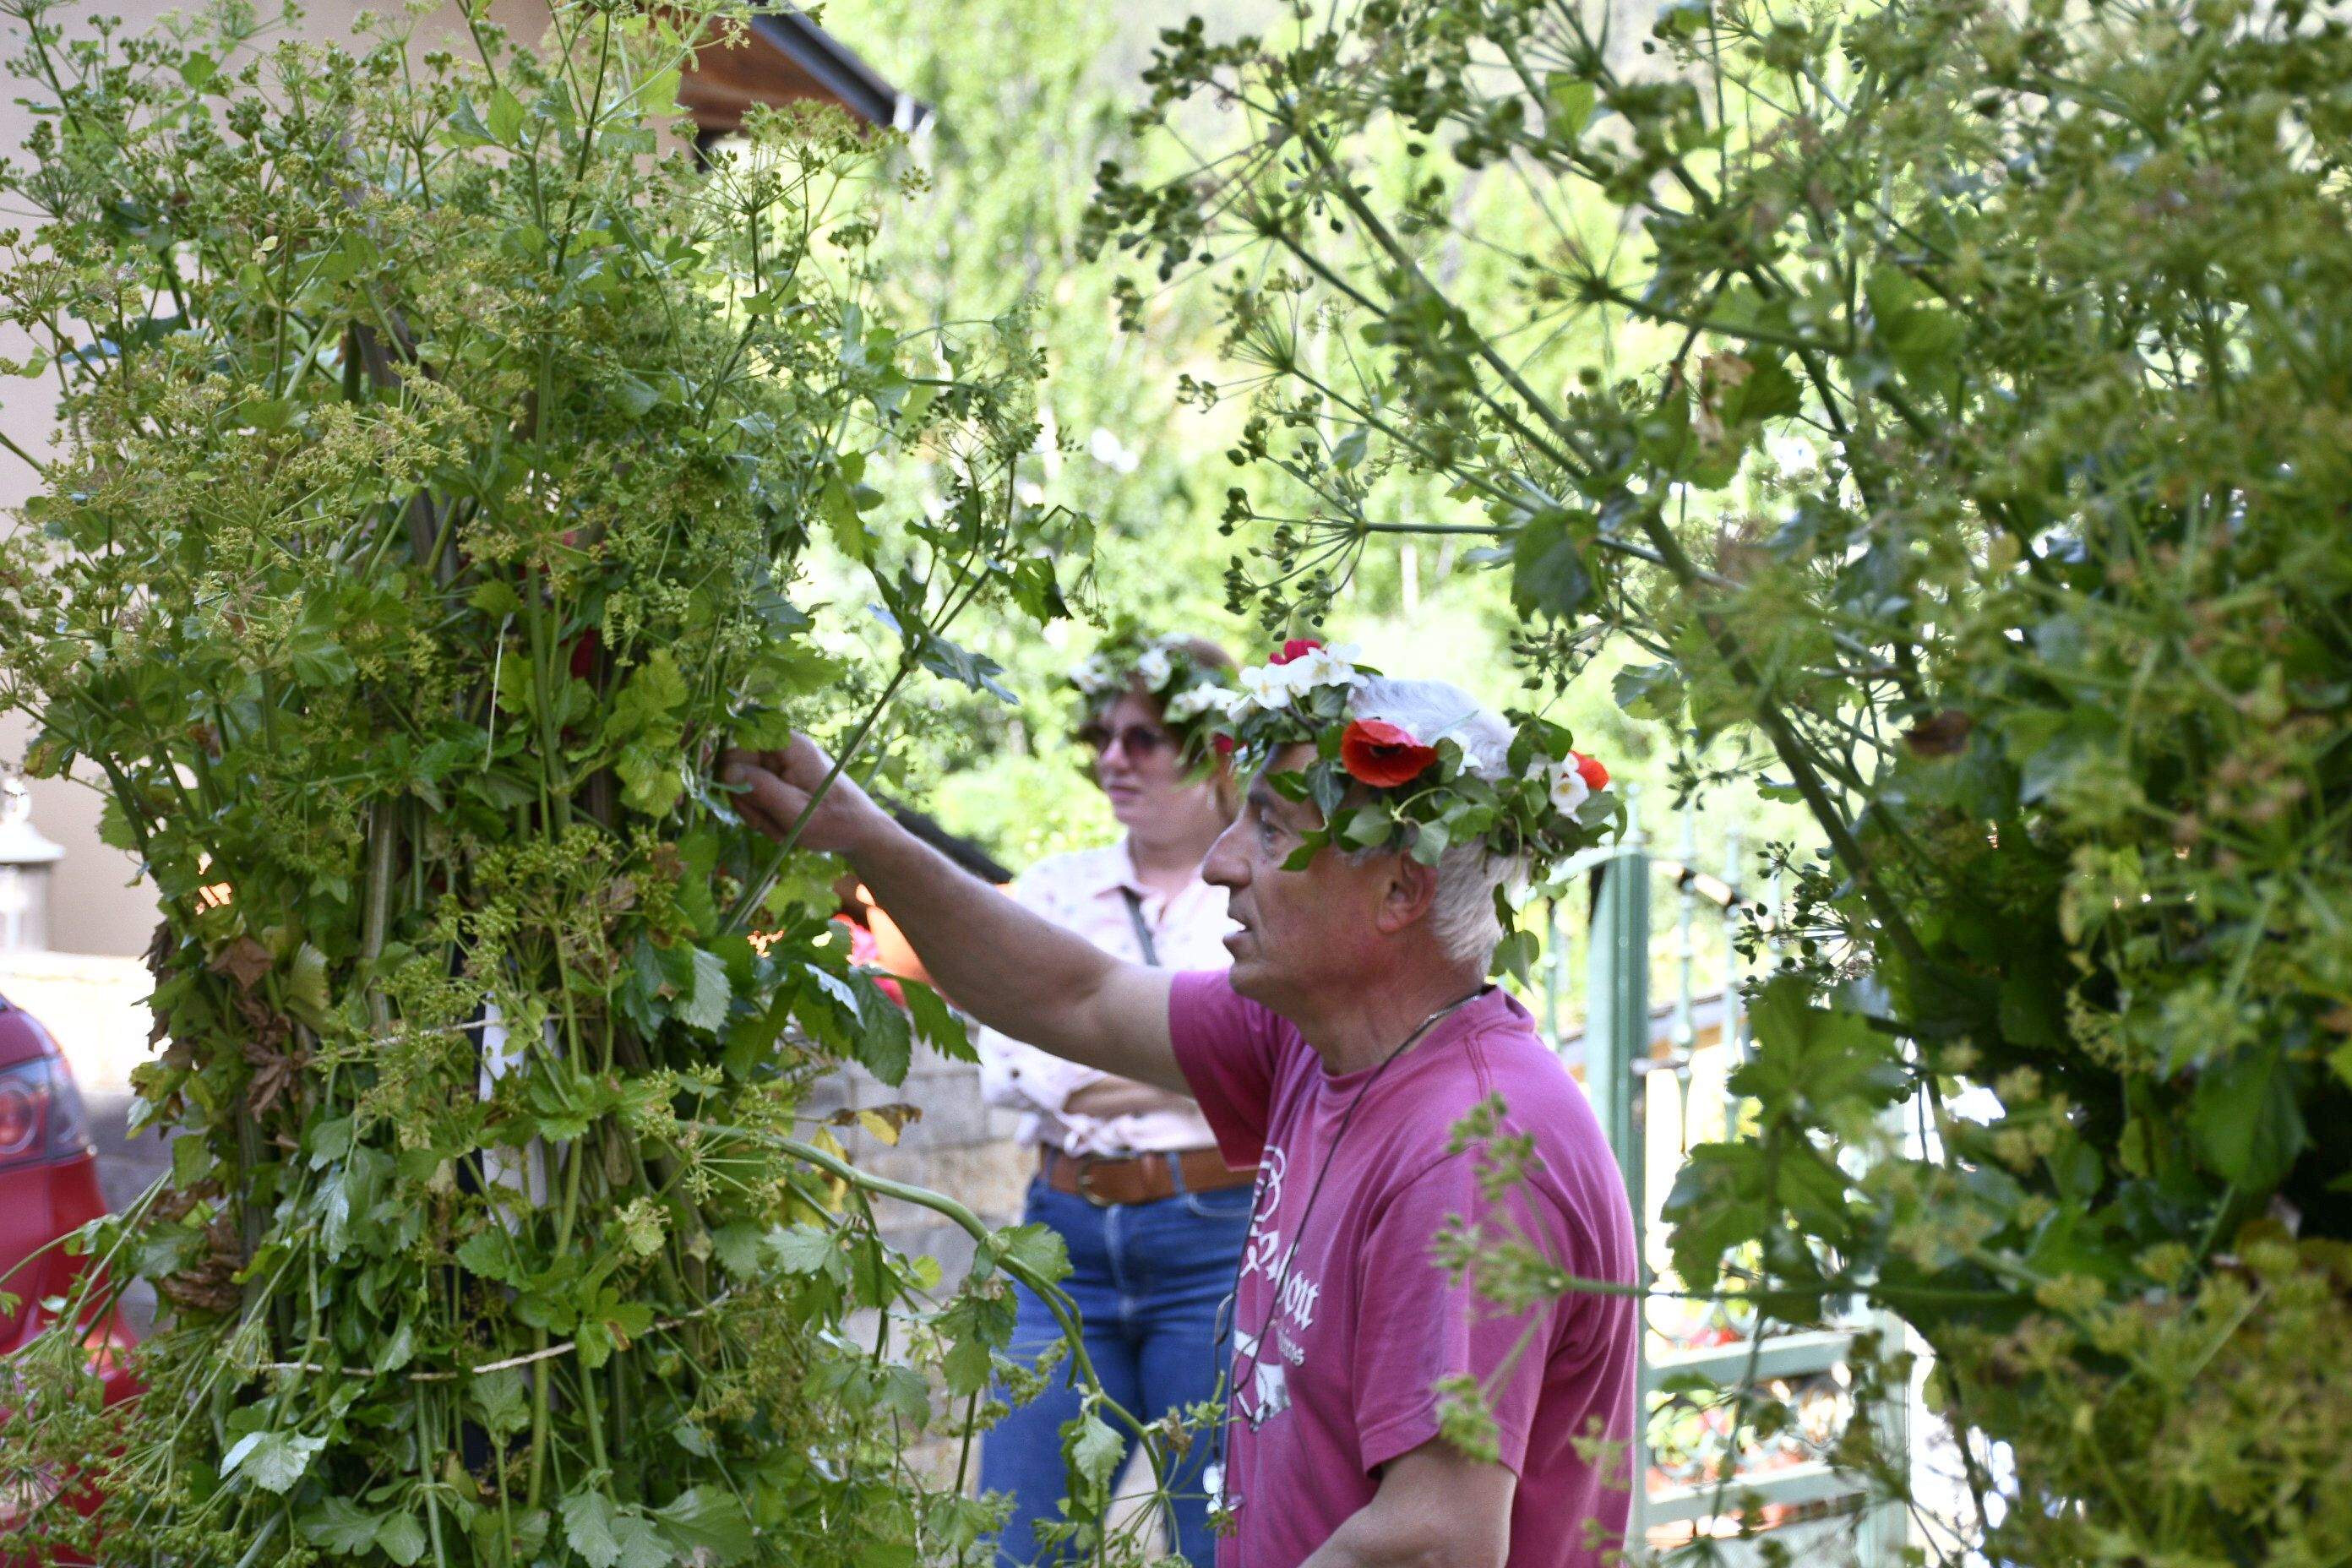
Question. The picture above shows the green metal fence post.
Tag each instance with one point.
(1616, 1036)
(1617, 1033)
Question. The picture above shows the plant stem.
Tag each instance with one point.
(37, 466)
(424, 1477)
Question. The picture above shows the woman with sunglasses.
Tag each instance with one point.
(1127, 1175)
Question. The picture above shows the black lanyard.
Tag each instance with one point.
(1142, 930)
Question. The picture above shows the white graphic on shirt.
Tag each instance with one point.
(1299, 1295)
(1268, 1394)
(1263, 1244)
(1267, 1198)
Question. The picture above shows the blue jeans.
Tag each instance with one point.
(1147, 1279)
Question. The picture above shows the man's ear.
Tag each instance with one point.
(1411, 889)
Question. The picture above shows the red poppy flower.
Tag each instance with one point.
(1590, 770)
(1377, 753)
(1224, 745)
(1296, 648)
(583, 654)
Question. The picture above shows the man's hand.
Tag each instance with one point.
(777, 785)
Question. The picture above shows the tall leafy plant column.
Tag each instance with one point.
(1952, 398)
(436, 453)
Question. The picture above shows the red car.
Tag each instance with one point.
(49, 1186)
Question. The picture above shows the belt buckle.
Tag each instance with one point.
(1085, 1181)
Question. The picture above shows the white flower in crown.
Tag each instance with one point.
(1323, 666)
(1093, 677)
(1194, 702)
(1572, 780)
(1268, 686)
(1154, 669)
(1568, 790)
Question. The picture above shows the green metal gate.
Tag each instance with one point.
(1694, 1040)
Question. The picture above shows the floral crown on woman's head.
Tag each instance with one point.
(1381, 787)
(1191, 692)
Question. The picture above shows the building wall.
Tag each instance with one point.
(99, 905)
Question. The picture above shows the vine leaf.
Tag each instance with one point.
(1036, 1248)
(885, 1046)
(1516, 955)
(709, 1524)
(402, 1537)
(590, 1524)
(307, 996)
(273, 1461)
(965, 668)
(505, 116)
(340, 1525)
(2248, 1124)
(641, 1544)
(1095, 1449)
(937, 1023)
(705, 1006)
(1546, 568)
(801, 1249)
(499, 1398)
(645, 722)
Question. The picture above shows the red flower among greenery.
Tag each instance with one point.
(1588, 769)
(1296, 648)
(1378, 753)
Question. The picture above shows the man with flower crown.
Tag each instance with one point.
(1435, 1339)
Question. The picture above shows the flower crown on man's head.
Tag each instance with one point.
(1191, 693)
(1383, 788)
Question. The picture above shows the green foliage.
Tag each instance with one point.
(1970, 451)
(438, 458)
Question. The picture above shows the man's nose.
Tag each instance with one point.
(1225, 866)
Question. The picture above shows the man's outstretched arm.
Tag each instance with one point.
(1022, 975)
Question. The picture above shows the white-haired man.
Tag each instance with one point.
(1355, 1030)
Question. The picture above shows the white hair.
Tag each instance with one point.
(1462, 915)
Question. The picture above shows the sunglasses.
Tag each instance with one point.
(1138, 741)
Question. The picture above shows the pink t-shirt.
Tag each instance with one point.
(1336, 1356)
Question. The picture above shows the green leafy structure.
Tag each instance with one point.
(437, 453)
(1951, 399)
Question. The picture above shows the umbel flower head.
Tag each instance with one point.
(1190, 693)
(1380, 786)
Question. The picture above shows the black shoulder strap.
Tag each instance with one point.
(1142, 932)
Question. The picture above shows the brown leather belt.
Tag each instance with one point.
(1104, 1180)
